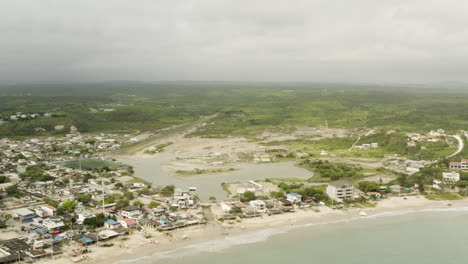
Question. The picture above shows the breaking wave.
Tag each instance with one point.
(221, 244)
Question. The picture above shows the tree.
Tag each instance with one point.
(4, 179)
(235, 210)
(278, 194)
(248, 196)
(129, 195)
(153, 204)
(12, 191)
(83, 198)
(144, 191)
(36, 173)
(50, 202)
(312, 191)
(212, 198)
(121, 204)
(96, 221)
(68, 206)
(138, 203)
(167, 191)
(367, 186)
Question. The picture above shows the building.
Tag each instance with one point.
(128, 223)
(24, 215)
(258, 205)
(131, 212)
(52, 223)
(48, 209)
(462, 165)
(340, 190)
(451, 177)
(111, 224)
(294, 197)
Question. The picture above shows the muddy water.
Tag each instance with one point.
(149, 169)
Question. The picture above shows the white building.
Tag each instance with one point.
(451, 177)
(48, 209)
(258, 205)
(340, 190)
(294, 197)
(52, 223)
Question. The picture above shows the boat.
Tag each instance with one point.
(362, 213)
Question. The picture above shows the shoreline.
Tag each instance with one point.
(215, 236)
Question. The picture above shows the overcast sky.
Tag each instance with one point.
(250, 40)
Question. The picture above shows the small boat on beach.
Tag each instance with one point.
(362, 213)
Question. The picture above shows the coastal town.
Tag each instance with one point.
(61, 197)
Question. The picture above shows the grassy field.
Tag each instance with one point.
(89, 164)
(443, 196)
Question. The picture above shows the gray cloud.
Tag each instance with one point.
(264, 40)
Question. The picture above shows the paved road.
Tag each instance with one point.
(461, 145)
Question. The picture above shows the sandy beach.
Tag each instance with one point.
(138, 246)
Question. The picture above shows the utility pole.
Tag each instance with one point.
(102, 188)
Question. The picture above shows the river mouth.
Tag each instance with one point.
(150, 168)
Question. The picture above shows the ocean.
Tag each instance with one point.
(423, 237)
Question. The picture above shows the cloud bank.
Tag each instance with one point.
(255, 40)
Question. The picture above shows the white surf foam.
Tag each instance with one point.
(221, 244)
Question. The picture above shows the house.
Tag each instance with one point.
(52, 223)
(340, 190)
(294, 197)
(128, 222)
(451, 177)
(258, 205)
(83, 216)
(462, 165)
(23, 215)
(48, 209)
(131, 212)
(111, 224)
(227, 206)
(107, 234)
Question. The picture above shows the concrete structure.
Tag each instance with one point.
(451, 177)
(294, 197)
(111, 224)
(258, 205)
(48, 209)
(462, 165)
(340, 190)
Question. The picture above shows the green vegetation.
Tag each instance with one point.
(153, 204)
(200, 171)
(93, 164)
(36, 173)
(12, 191)
(67, 206)
(95, 222)
(4, 179)
(389, 143)
(286, 179)
(367, 186)
(443, 196)
(226, 187)
(51, 202)
(158, 148)
(328, 171)
(243, 109)
(167, 191)
(318, 192)
(247, 196)
(425, 176)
